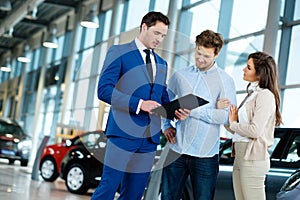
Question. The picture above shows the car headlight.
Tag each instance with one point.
(24, 145)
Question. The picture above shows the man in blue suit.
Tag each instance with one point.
(133, 131)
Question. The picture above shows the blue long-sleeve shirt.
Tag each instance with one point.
(199, 134)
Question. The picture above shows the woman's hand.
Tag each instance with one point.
(233, 114)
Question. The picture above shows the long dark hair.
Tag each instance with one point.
(266, 70)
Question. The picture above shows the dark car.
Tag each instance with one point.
(284, 155)
(291, 188)
(53, 154)
(14, 143)
(82, 166)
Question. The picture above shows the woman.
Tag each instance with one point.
(254, 123)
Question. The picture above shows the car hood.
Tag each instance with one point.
(56, 145)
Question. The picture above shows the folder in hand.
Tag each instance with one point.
(189, 102)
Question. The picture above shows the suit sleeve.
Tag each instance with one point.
(108, 80)
(165, 95)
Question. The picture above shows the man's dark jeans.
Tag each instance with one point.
(203, 173)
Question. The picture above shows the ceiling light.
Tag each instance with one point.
(6, 67)
(51, 42)
(9, 33)
(91, 20)
(23, 58)
(5, 5)
(32, 14)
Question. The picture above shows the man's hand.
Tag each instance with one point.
(182, 114)
(170, 134)
(148, 105)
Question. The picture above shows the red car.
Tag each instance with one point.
(53, 154)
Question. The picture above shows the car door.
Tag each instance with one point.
(284, 159)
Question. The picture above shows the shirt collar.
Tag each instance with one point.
(139, 44)
(141, 47)
(254, 86)
(211, 70)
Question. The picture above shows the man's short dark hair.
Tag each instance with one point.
(210, 39)
(151, 18)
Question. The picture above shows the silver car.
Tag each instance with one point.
(14, 143)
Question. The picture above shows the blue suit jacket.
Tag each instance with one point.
(124, 80)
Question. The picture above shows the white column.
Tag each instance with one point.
(271, 30)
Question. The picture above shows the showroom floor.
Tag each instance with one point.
(16, 184)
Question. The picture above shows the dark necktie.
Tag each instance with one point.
(148, 64)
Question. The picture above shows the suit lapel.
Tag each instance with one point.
(160, 70)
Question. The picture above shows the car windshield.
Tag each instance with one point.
(9, 129)
(88, 140)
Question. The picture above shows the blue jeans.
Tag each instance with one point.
(203, 173)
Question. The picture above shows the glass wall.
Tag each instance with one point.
(246, 35)
(247, 18)
(82, 107)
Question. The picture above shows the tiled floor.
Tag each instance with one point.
(16, 184)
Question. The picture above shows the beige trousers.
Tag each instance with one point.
(248, 175)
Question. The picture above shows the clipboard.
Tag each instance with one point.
(189, 101)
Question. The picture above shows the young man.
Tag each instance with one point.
(195, 141)
(133, 91)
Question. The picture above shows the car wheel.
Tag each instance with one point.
(11, 161)
(24, 163)
(75, 179)
(48, 169)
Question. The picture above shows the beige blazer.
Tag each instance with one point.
(261, 111)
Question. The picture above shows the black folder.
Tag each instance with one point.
(189, 101)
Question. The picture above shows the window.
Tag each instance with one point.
(246, 18)
(289, 106)
(200, 20)
(297, 10)
(294, 151)
(86, 63)
(237, 57)
(162, 6)
(136, 10)
(293, 69)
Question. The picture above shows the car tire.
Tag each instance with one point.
(24, 163)
(75, 179)
(48, 169)
(11, 161)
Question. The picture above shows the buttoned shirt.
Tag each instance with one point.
(199, 134)
(243, 115)
(141, 48)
